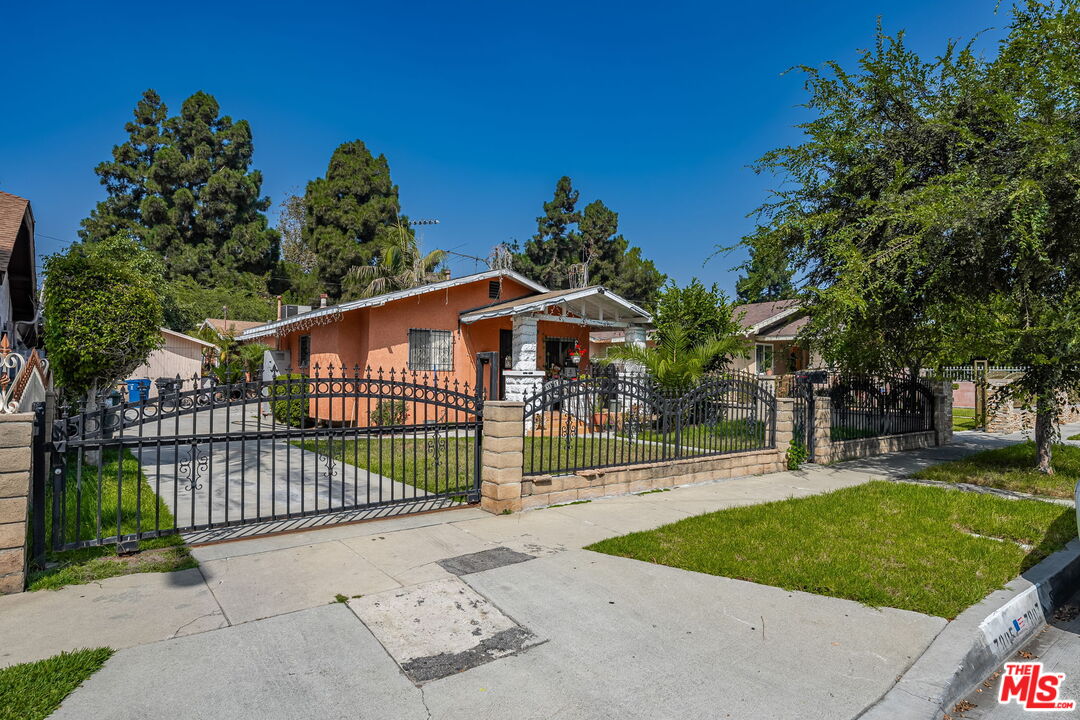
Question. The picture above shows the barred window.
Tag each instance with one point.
(431, 350)
(305, 351)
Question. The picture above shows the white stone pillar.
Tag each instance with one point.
(635, 335)
(524, 380)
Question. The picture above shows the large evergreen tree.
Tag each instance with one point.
(765, 277)
(566, 237)
(183, 186)
(349, 216)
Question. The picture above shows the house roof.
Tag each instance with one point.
(188, 338)
(786, 331)
(281, 326)
(595, 305)
(221, 325)
(756, 316)
(13, 211)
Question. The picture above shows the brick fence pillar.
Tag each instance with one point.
(16, 432)
(785, 425)
(943, 419)
(503, 456)
(822, 429)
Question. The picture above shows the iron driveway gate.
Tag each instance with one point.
(251, 451)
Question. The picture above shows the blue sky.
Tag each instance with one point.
(657, 109)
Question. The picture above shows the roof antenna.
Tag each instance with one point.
(500, 258)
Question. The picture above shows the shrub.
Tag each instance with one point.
(290, 411)
(797, 454)
(388, 412)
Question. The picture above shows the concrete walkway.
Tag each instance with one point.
(255, 631)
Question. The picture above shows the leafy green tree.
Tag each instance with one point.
(184, 186)
(103, 312)
(246, 299)
(566, 237)
(399, 267)
(935, 202)
(676, 362)
(697, 311)
(350, 216)
(765, 279)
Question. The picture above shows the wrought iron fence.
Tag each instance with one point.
(626, 418)
(969, 373)
(864, 405)
(228, 454)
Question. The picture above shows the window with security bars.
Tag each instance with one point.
(431, 350)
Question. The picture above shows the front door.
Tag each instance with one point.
(506, 354)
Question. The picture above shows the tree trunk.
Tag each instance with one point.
(1044, 435)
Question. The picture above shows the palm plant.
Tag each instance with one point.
(401, 265)
(674, 363)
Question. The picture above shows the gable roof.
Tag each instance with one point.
(13, 211)
(277, 326)
(756, 316)
(186, 338)
(596, 298)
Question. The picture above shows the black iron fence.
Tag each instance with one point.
(625, 418)
(861, 405)
(228, 454)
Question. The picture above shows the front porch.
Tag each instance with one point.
(549, 334)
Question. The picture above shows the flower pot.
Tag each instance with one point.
(575, 359)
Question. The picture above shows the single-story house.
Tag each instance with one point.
(772, 328)
(437, 331)
(179, 354)
(18, 278)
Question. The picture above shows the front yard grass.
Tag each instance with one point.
(32, 691)
(931, 550)
(1012, 468)
(72, 567)
(963, 419)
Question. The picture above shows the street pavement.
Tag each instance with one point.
(1057, 647)
(255, 631)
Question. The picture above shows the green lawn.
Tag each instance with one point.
(725, 433)
(883, 544)
(1074, 437)
(1011, 468)
(446, 464)
(963, 419)
(85, 565)
(32, 691)
(846, 432)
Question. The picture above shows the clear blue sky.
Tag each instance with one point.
(655, 108)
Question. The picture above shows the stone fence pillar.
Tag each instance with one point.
(16, 432)
(503, 456)
(822, 429)
(785, 425)
(943, 418)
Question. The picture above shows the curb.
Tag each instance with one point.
(979, 640)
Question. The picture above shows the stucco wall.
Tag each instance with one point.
(176, 357)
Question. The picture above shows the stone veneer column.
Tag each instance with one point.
(943, 419)
(635, 335)
(15, 461)
(524, 380)
(822, 429)
(785, 426)
(503, 457)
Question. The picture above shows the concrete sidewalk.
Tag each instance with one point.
(251, 633)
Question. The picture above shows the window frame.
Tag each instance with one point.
(769, 352)
(432, 362)
(303, 359)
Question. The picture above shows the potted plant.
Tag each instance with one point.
(577, 354)
(601, 415)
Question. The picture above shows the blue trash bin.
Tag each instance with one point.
(138, 390)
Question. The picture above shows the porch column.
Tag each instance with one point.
(635, 335)
(524, 380)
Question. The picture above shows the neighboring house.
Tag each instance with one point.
(179, 354)
(437, 330)
(772, 328)
(18, 279)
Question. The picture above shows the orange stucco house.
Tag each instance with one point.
(438, 330)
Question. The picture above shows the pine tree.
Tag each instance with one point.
(548, 255)
(766, 277)
(567, 237)
(183, 186)
(350, 216)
